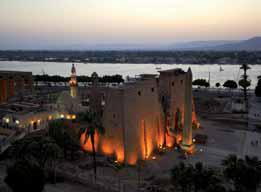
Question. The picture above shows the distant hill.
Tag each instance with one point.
(199, 44)
(253, 44)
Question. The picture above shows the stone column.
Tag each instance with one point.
(187, 143)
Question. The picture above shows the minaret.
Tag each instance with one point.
(187, 143)
(73, 82)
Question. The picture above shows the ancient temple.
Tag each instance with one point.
(142, 115)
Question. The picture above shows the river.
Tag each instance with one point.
(231, 72)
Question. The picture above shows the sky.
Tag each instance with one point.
(36, 24)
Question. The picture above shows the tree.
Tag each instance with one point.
(182, 177)
(244, 174)
(25, 175)
(258, 88)
(60, 131)
(244, 82)
(201, 83)
(205, 179)
(217, 85)
(199, 178)
(230, 84)
(41, 149)
(93, 125)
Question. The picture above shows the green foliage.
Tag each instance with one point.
(244, 83)
(195, 57)
(55, 79)
(62, 132)
(25, 176)
(38, 148)
(217, 85)
(201, 82)
(92, 124)
(245, 67)
(199, 178)
(258, 88)
(230, 84)
(49, 78)
(245, 174)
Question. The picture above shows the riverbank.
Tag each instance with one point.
(135, 57)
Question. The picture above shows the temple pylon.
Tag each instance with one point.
(187, 142)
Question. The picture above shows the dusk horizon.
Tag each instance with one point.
(130, 96)
(86, 24)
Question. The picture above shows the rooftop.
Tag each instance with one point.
(176, 71)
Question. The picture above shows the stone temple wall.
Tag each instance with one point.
(132, 119)
(134, 116)
(142, 120)
(172, 85)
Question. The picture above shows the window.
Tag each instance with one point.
(152, 89)
(139, 93)
(172, 83)
(181, 82)
(114, 115)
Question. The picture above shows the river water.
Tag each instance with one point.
(231, 72)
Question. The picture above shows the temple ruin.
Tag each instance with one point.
(144, 114)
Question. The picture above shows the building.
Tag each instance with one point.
(14, 83)
(142, 115)
(73, 82)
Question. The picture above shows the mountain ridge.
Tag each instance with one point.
(252, 44)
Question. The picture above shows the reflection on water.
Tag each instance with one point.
(199, 71)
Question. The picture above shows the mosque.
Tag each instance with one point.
(142, 115)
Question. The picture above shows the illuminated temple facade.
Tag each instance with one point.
(143, 115)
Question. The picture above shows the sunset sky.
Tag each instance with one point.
(49, 23)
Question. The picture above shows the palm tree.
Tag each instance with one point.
(92, 125)
(244, 82)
